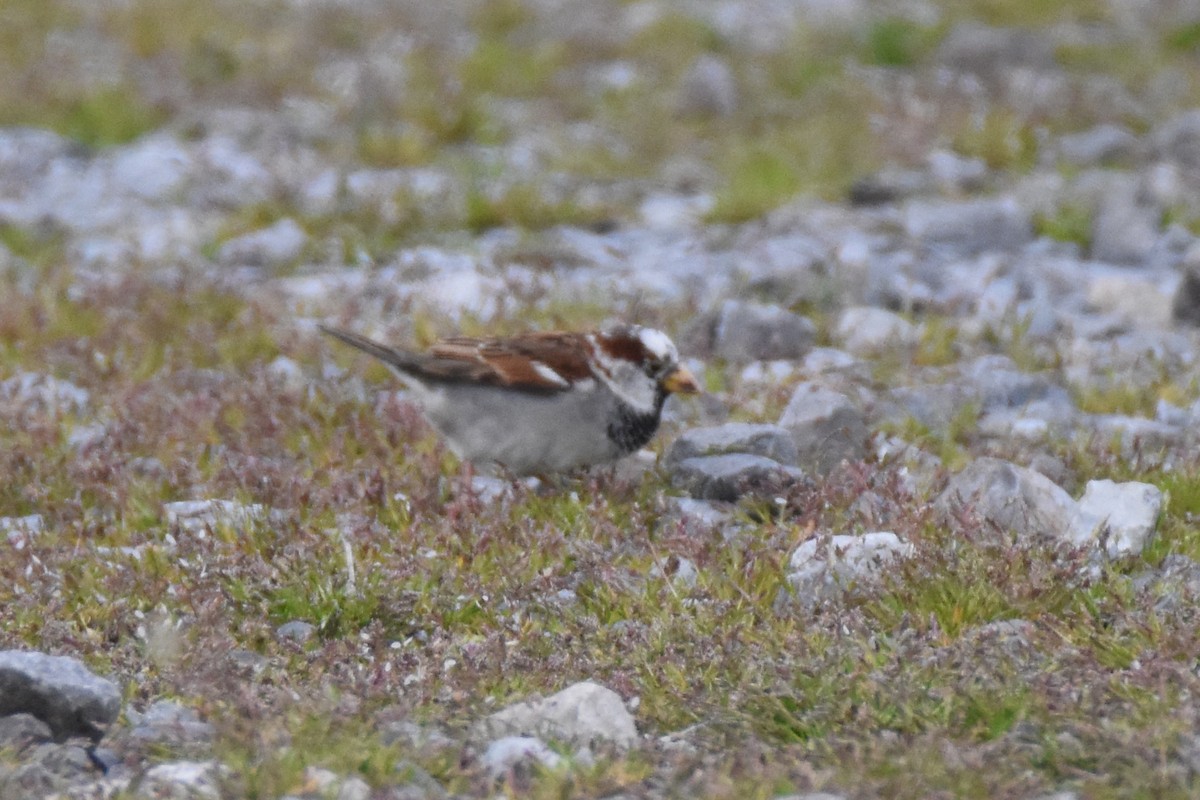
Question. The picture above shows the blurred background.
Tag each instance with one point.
(534, 113)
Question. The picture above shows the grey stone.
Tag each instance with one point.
(296, 630)
(825, 425)
(728, 477)
(1137, 435)
(59, 691)
(1120, 517)
(867, 331)
(20, 530)
(169, 723)
(769, 441)
(1125, 229)
(970, 227)
(920, 472)
(18, 731)
(47, 768)
(999, 384)
(956, 173)
(509, 752)
(1008, 499)
(1178, 139)
(708, 88)
(754, 332)
(1103, 143)
(933, 405)
(34, 392)
(1139, 299)
(991, 52)
(826, 567)
(812, 796)
(697, 515)
(579, 715)
(182, 780)
(276, 245)
(196, 515)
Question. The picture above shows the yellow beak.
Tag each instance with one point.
(681, 381)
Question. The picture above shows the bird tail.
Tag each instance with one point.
(400, 360)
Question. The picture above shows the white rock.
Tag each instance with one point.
(182, 780)
(278, 244)
(708, 88)
(827, 566)
(866, 330)
(1120, 516)
(505, 753)
(19, 530)
(33, 391)
(578, 715)
(196, 515)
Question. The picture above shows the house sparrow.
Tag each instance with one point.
(541, 402)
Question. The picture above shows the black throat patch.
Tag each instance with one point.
(632, 429)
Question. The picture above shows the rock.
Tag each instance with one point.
(47, 768)
(697, 515)
(728, 477)
(579, 715)
(508, 753)
(769, 441)
(866, 331)
(325, 783)
(1138, 435)
(970, 227)
(826, 567)
(19, 531)
(708, 88)
(277, 245)
(296, 630)
(956, 173)
(826, 426)
(753, 332)
(1125, 229)
(920, 473)
(1138, 299)
(1121, 517)
(18, 731)
(182, 780)
(33, 392)
(1178, 139)
(999, 384)
(933, 405)
(193, 516)
(59, 691)
(812, 796)
(1007, 499)
(992, 52)
(168, 723)
(1101, 144)
(680, 571)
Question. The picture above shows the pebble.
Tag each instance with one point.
(826, 426)
(828, 566)
(579, 715)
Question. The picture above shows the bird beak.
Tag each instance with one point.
(682, 381)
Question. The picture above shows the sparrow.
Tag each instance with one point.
(538, 403)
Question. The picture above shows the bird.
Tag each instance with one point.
(542, 402)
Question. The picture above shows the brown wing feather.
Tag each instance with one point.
(514, 361)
